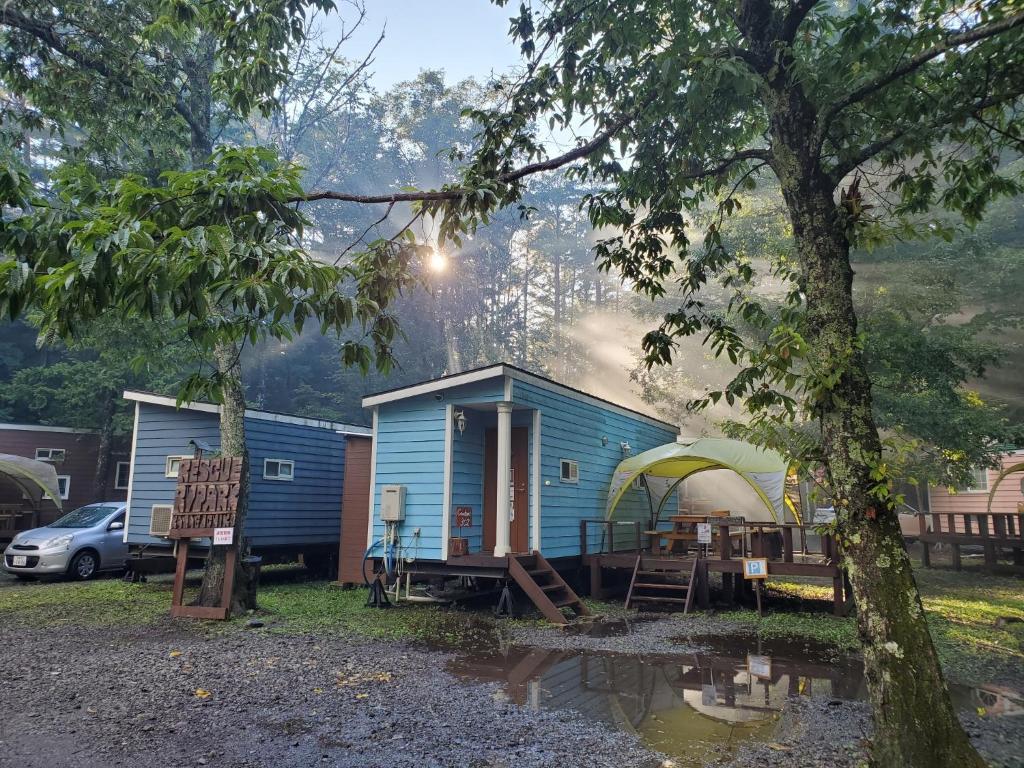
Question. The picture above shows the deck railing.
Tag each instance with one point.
(780, 542)
(600, 537)
(992, 531)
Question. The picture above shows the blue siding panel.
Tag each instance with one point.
(410, 452)
(306, 510)
(573, 428)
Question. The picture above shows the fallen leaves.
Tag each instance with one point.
(202, 693)
(174, 654)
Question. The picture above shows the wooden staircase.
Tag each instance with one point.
(545, 587)
(661, 586)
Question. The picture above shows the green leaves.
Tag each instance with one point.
(217, 249)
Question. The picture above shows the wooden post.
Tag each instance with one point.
(596, 588)
(703, 588)
(926, 554)
(837, 593)
(179, 573)
(583, 538)
(957, 564)
(989, 546)
(787, 544)
(724, 543)
(611, 536)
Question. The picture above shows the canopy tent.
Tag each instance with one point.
(665, 467)
(34, 478)
(1002, 476)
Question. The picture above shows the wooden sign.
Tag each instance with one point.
(755, 568)
(207, 496)
(703, 533)
(205, 505)
(463, 517)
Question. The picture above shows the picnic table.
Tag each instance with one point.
(684, 532)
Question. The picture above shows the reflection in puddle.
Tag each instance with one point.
(692, 708)
(697, 707)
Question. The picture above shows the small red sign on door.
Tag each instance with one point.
(463, 517)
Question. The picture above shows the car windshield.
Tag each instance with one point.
(83, 517)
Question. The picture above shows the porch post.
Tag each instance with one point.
(504, 505)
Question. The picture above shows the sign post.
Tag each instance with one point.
(756, 570)
(205, 506)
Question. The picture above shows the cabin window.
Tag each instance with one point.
(570, 471)
(173, 465)
(638, 483)
(63, 486)
(121, 475)
(49, 454)
(278, 469)
(978, 482)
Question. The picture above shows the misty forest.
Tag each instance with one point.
(525, 289)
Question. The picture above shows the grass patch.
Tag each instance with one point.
(319, 607)
(101, 603)
(834, 632)
(962, 609)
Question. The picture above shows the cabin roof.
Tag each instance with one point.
(499, 370)
(282, 418)
(47, 428)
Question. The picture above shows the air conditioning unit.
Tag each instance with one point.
(160, 520)
(392, 503)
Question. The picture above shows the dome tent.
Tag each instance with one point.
(33, 478)
(665, 467)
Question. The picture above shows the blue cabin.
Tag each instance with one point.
(298, 468)
(499, 461)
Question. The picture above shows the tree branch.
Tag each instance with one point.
(456, 193)
(975, 35)
(47, 35)
(747, 154)
(798, 11)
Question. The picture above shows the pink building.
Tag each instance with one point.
(1008, 499)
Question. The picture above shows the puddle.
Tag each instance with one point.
(696, 707)
(692, 708)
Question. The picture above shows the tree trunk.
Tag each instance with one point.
(557, 301)
(915, 724)
(227, 359)
(232, 443)
(105, 444)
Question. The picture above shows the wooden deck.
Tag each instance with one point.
(791, 550)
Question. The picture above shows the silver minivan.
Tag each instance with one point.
(79, 545)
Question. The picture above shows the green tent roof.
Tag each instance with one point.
(763, 469)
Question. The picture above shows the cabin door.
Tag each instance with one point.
(519, 529)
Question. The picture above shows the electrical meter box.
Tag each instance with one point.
(392, 503)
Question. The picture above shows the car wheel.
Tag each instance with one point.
(84, 565)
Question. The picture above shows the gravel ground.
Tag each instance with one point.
(97, 698)
(638, 636)
(116, 697)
